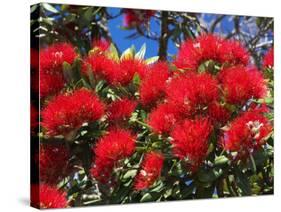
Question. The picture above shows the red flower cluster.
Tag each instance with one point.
(153, 85)
(193, 90)
(121, 109)
(116, 145)
(246, 133)
(150, 170)
(67, 112)
(44, 196)
(115, 73)
(218, 113)
(241, 84)
(193, 53)
(164, 117)
(53, 163)
(51, 64)
(133, 18)
(190, 140)
(268, 60)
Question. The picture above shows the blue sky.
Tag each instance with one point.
(119, 36)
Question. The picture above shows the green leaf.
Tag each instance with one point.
(187, 191)
(140, 54)
(130, 174)
(221, 160)
(136, 79)
(49, 8)
(113, 53)
(208, 176)
(253, 164)
(67, 72)
(243, 182)
(151, 60)
(127, 54)
(146, 198)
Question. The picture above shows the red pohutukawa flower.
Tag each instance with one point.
(233, 53)
(193, 90)
(101, 67)
(52, 57)
(241, 84)
(50, 84)
(193, 53)
(218, 113)
(246, 133)
(128, 69)
(121, 109)
(164, 117)
(151, 168)
(153, 85)
(51, 65)
(268, 60)
(69, 111)
(133, 18)
(44, 196)
(118, 144)
(190, 141)
(53, 163)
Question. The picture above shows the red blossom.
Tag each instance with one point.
(118, 144)
(133, 18)
(153, 85)
(102, 67)
(128, 69)
(151, 168)
(164, 117)
(44, 196)
(121, 109)
(241, 84)
(218, 113)
(193, 53)
(190, 140)
(50, 84)
(247, 132)
(53, 163)
(268, 60)
(69, 111)
(193, 90)
(52, 57)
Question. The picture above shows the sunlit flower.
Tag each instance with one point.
(118, 144)
(190, 141)
(206, 47)
(153, 85)
(164, 117)
(193, 90)
(69, 111)
(241, 84)
(121, 109)
(246, 133)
